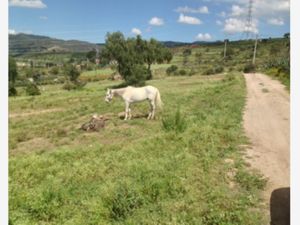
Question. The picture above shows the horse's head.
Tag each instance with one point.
(109, 95)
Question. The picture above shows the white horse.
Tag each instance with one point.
(132, 94)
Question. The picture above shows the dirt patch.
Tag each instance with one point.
(267, 124)
(35, 112)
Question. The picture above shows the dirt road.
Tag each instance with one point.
(267, 125)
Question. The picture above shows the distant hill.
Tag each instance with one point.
(173, 44)
(21, 44)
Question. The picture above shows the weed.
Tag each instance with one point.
(175, 122)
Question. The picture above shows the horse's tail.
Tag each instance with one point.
(158, 101)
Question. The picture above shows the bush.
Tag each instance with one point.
(72, 72)
(283, 64)
(171, 70)
(12, 91)
(208, 71)
(219, 69)
(192, 72)
(69, 85)
(249, 68)
(187, 52)
(54, 70)
(32, 89)
(182, 72)
(175, 123)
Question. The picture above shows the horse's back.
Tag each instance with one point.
(151, 88)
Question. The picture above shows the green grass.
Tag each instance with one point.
(133, 172)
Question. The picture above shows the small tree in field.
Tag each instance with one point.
(12, 76)
(198, 56)
(72, 73)
(91, 55)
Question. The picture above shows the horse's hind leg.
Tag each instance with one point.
(129, 112)
(150, 112)
(153, 109)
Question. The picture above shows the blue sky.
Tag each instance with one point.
(176, 20)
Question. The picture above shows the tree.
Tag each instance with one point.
(13, 73)
(91, 55)
(12, 76)
(72, 73)
(198, 56)
(187, 52)
(286, 35)
(130, 56)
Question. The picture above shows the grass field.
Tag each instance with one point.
(187, 169)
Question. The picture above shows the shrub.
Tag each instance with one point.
(219, 69)
(32, 89)
(175, 122)
(12, 91)
(249, 68)
(171, 70)
(54, 70)
(192, 72)
(208, 71)
(283, 64)
(229, 77)
(68, 85)
(72, 72)
(182, 72)
(187, 52)
(123, 202)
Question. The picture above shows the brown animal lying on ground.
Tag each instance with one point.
(95, 124)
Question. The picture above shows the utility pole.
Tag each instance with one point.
(225, 47)
(249, 25)
(254, 53)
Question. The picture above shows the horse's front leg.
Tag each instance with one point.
(127, 111)
(150, 112)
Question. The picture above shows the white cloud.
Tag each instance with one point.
(272, 12)
(12, 32)
(187, 9)
(27, 3)
(155, 21)
(219, 22)
(237, 10)
(234, 25)
(203, 37)
(188, 20)
(136, 31)
(261, 8)
(276, 21)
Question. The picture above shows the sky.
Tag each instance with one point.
(164, 20)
